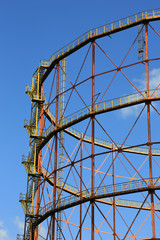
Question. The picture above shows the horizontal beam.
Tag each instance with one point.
(102, 192)
(91, 35)
(103, 107)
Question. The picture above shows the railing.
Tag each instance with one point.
(49, 112)
(22, 197)
(110, 104)
(108, 28)
(130, 203)
(59, 183)
(34, 132)
(28, 89)
(107, 105)
(47, 174)
(24, 159)
(99, 192)
(26, 123)
(107, 144)
(103, 106)
(20, 237)
(32, 93)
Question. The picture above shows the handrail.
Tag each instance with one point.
(102, 142)
(106, 106)
(103, 106)
(103, 30)
(109, 104)
(20, 237)
(99, 192)
(67, 186)
(130, 203)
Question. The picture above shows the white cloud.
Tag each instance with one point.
(43, 232)
(3, 232)
(19, 223)
(1, 224)
(154, 80)
(130, 111)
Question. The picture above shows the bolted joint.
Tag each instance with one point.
(72, 163)
(151, 191)
(149, 143)
(148, 102)
(120, 149)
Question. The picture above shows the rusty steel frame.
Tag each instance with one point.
(88, 207)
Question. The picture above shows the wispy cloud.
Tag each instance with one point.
(19, 223)
(1, 224)
(43, 232)
(3, 232)
(154, 80)
(130, 111)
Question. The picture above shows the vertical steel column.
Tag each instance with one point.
(80, 218)
(39, 177)
(61, 141)
(93, 118)
(39, 95)
(149, 133)
(114, 206)
(55, 157)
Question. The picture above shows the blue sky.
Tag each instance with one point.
(30, 31)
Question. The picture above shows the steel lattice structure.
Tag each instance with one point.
(93, 171)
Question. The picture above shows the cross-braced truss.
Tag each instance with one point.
(93, 164)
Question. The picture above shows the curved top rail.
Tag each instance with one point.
(108, 29)
(99, 192)
(106, 106)
(111, 104)
(119, 188)
(101, 142)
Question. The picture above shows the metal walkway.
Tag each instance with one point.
(99, 193)
(41, 73)
(84, 113)
(108, 29)
(74, 191)
(101, 142)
